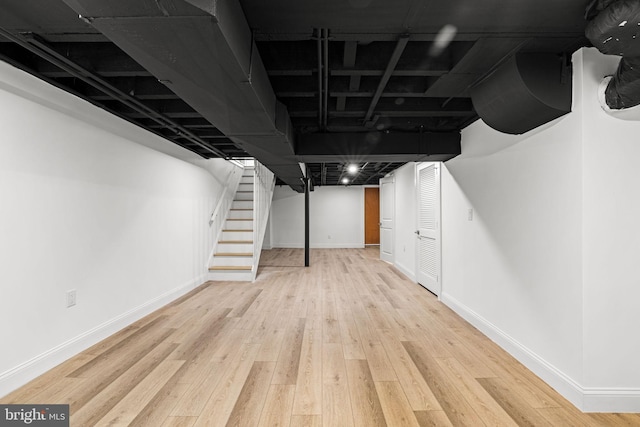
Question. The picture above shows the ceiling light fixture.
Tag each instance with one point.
(352, 169)
(345, 181)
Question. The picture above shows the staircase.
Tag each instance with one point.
(233, 258)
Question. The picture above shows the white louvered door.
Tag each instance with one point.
(428, 232)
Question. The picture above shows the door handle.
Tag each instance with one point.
(417, 232)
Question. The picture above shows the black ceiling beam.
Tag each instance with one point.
(377, 147)
(393, 61)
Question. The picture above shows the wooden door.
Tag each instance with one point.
(372, 216)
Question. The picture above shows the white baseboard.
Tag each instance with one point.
(585, 399)
(404, 270)
(18, 376)
(611, 400)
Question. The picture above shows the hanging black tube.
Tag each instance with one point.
(612, 29)
(306, 221)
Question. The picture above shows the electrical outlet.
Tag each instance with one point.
(71, 298)
(470, 214)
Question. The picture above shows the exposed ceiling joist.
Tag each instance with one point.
(393, 61)
(328, 80)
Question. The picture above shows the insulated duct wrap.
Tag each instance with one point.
(614, 29)
(203, 50)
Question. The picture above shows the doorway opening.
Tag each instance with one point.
(371, 216)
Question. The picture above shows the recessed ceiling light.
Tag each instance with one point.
(345, 180)
(352, 169)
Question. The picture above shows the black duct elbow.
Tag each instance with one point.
(614, 29)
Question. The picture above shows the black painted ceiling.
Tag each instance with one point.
(347, 67)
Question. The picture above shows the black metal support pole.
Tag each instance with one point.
(306, 222)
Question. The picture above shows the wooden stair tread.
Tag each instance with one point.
(239, 219)
(238, 242)
(233, 230)
(239, 209)
(230, 268)
(231, 254)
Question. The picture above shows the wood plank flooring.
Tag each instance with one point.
(346, 342)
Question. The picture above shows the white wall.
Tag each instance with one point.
(336, 217)
(611, 242)
(546, 268)
(85, 206)
(516, 269)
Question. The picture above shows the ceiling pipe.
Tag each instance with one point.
(326, 79)
(320, 78)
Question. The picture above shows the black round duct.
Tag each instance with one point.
(525, 92)
(614, 29)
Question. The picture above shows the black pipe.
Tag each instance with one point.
(325, 105)
(320, 78)
(612, 29)
(306, 221)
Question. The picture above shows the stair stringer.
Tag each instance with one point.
(270, 188)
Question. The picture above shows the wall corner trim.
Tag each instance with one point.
(586, 399)
(20, 375)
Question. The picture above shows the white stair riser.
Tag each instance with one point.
(237, 235)
(235, 247)
(231, 276)
(232, 261)
(243, 200)
(238, 225)
(240, 214)
(244, 196)
(248, 204)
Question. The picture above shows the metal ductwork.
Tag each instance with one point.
(613, 30)
(378, 146)
(526, 91)
(204, 52)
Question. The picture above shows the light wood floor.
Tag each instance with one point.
(346, 342)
